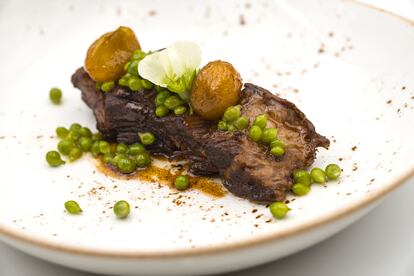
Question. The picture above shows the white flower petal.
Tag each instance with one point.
(167, 66)
(152, 69)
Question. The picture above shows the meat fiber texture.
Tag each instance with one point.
(247, 168)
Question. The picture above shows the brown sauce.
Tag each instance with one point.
(164, 176)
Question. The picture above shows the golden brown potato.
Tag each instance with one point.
(216, 87)
(107, 56)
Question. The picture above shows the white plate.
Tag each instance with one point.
(347, 66)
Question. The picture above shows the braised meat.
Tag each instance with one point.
(247, 168)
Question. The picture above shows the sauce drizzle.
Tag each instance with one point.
(155, 174)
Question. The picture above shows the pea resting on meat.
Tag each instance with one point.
(268, 135)
(277, 151)
(260, 121)
(162, 111)
(231, 114)
(279, 209)
(122, 209)
(241, 122)
(255, 133)
(147, 138)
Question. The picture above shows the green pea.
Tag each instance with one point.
(333, 171)
(147, 138)
(74, 154)
(318, 175)
(172, 102)
(268, 135)
(260, 121)
(104, 147)
(136, 148)
(123, 82)
(85, 143)
(133, 68)
(65, 146)
(159, 88)
(255, 133)
(122, 148)
(85, 132)
(302, 177)
(134, 84)
(126, 66)
(138, 55)
(122, 209)
(74, 135)
(98, 85)
(127, 76)
(95, 149)
(279, 209)
(241, 123)
(72, 207)
(117, 158)
(181, 182)
(107, 158)
(180, 110)
(54, 159)
(161, 111)
(231, 128)
(55, 95)
(62, 132)
(75, 127)
(277, 151)
(125, 165)
(161, 97)
(300, 189)
(142, 159)
(231, 114)
(277, 143)
(222, 125)
(97, 136)
(147, 84)
(107, 86)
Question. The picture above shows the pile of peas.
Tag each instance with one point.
(74, 142)
(78, 140)
(232, 120)
(131, 78)
(258, 132)
(126, 159)
(165, 101)
(303, 181)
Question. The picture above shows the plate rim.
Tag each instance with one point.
(234, 246)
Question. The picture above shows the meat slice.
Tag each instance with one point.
(247, 168)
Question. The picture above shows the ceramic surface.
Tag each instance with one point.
(348, 67)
